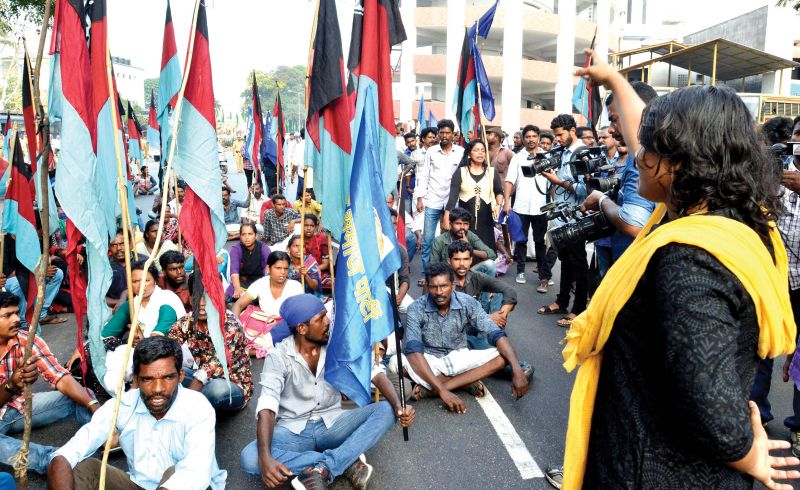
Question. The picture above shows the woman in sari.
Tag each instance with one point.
(304, 269)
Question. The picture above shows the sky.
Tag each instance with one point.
(243, 35)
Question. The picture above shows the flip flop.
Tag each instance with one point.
(419, 392)
(547, 310)
(52, 320)
(565, 322)
(477, 389)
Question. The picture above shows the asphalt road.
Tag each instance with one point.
(445, 450)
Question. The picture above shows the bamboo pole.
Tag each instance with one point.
(20, 460)
(177, 208)
(331, 265)
(303, 222)
(151, 259)
(483, 138)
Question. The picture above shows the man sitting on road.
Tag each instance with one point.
(302, 430)
(496, 297)
(69, 400)
(459, 230)
(279, 220)
(439, 359)
(165, 431)
(173, 277)
(207, 375)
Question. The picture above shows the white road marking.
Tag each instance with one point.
(508, 436)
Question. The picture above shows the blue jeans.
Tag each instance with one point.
(761, 386)
(603, 255)
(51, 287)
(432, 217)
(218, 394)
(411, 245)
(488, 267)
(490, 305)
(335, 447)
(48, 408)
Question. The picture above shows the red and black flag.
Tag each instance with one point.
(586, 96)
(29, 112)
(330, 111)
(258, 130)
(466, 98)
(19, 222)
(280, 137)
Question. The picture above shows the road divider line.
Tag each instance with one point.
(509, 437)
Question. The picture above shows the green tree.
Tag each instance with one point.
(150, 86)
(795, 4)
(291, 82)
(11, 11)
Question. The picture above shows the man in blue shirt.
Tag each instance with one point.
(574, 267)
(166, 432)
(629, 212)
(439, 359)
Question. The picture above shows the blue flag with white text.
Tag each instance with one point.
(368, 255)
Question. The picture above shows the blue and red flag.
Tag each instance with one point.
(330, 112)
(258, 130)
(586, 96)
(471, 74)
(202, 218)
(134, 137)
(80, 185)
(169, 83)
(29, 113)
(153, 129)
(19, 220)
(278, 134)
(368, 255)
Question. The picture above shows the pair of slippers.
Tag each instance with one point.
(564, 322)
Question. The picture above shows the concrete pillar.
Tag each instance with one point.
(455, 38)
(565, 56)
(603, 20)
(512, 66)
(408, 79)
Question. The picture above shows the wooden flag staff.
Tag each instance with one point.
(156, 246)
(20, 460)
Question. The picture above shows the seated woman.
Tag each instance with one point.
(248, 259)
(146, 183)
(145, 247)
(270, 292)
(159, 311)
(305, 268)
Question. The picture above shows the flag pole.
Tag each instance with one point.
(483, 129)
(303, 222)
(331, 265)
(177, 207)
(20, 460)
(398, 336)
(151, 259)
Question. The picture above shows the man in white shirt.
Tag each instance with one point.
(298, 165)
(530, 195)
(166, 432)
(433, 184)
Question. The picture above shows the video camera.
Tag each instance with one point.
(543, 162)
(782, 151)
(591, 163)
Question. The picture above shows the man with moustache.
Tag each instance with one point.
(173, 277)
(439, 359)
(303, 434)
(459, 230)
(69, 398)
(166, 432)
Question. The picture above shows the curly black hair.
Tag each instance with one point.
(465, 159)
(707, 135)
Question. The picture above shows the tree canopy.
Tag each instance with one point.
(291, 81)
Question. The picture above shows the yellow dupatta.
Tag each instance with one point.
(735, 245)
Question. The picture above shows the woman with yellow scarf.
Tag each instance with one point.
(669, 347)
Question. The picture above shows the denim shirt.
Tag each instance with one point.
(564, 172)
(430, 332)
(634, 209)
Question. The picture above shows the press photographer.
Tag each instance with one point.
(628, 211)
(572, 191)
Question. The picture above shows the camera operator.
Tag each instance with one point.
(574, 266)
(629, 212)
(616, 154)
(530, 195)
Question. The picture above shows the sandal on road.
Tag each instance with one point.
(549, 310)
(477, 389)
(419, 392)
(566, 321)
(52, 320)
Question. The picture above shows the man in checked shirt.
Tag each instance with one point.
(69, 399)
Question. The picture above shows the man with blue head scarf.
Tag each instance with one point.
(302, 433)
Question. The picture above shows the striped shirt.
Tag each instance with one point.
(11, 357)
(789, 226)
